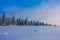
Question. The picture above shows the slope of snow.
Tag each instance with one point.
(29, 33)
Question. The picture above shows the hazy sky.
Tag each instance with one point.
(41, 10)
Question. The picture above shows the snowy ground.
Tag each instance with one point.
(29, 33)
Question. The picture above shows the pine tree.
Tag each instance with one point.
(26, 21)
(31, 23)
(18, 22)
(8, 22)
(22, 22)
(43, 24)
(13, 20)
(4, 19)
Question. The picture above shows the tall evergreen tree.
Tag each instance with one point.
(18, 22)
(4, 19)
(13, 20)
(26, 21)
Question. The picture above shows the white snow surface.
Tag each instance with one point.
(29, 33)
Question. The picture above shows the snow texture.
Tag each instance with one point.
(29, 33)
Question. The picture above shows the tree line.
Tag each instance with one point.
(6, 21)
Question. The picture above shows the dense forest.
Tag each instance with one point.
(6, 21)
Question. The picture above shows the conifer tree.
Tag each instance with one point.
(26, 21)
(13, 20)
(18, 22)
(3, 19)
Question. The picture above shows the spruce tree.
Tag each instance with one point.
(26, 21)
(3, 19)
(18, 22)
(13, 20)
